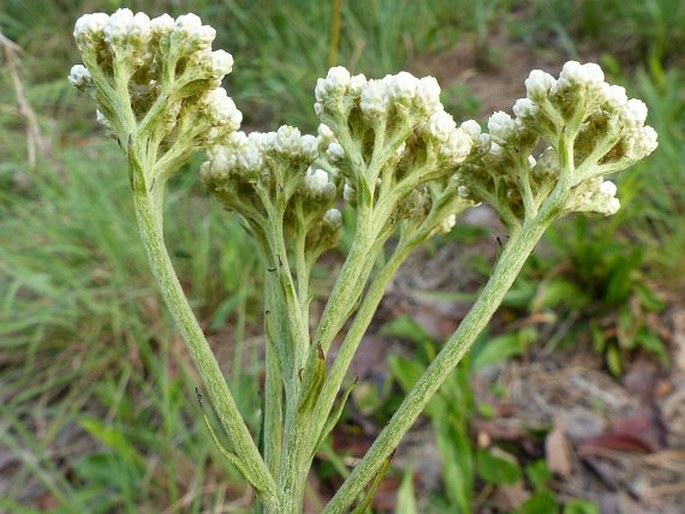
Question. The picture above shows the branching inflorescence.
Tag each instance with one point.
(385, 149)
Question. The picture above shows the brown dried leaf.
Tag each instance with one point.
(558, 452)
(642, 432)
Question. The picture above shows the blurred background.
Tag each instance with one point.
(573, 402)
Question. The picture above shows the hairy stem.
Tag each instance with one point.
(513, 257)
(148, 212)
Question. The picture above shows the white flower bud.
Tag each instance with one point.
(485, 142)
(221, 62)
(525, 108)
(90, 27)
(594, 195)
(356, 84)
(119, 25)
(349, 193)
(335, 152)
(324, 137)
(457, 148)
(79, 76)
(401, 87)
(642, 143)
(221, 110)
(608, 188)
(333, 219)
(189, 26)
(539, 84)
(428, 95)
(441, 125)
(502, 127)
(636, 111)
(249, 158)
(496, 150)
(593, 72)
(188, 22)
(374, 98)
(472, 128)
(614, 96)
(163, 24)
(308, 146)
(334, 85)
(287, 140)
(316, 181)
(574, 73)
(141, 28)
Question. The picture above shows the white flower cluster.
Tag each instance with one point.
(581, 95)
(594, 195)
(401, 98)
(607, 129)
(252, 174)
(169, 69)
(259, 156)
(316, 185)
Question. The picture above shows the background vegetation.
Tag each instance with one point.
(97, 409)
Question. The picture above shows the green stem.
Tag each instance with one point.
(353, 338)
(343, 297)
(148, 212)
(513, 257)
(273, 383)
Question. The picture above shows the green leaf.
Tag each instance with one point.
(496, 470)
(407, 372)
(112, 437)
(653, 343)
(581, 507)
(373, 487)
(406, 499)
(558, 291)
(405, 327)
(539, 474)
(542, 502)
(613, 357)
(456, 453)
(496, 350)
(648, 298)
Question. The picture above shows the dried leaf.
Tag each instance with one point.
(558, 452)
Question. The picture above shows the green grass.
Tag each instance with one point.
(87, 347)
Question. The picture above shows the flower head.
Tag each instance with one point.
(171, 75)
